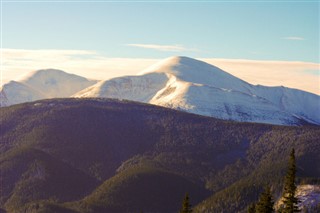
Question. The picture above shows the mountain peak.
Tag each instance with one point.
(198, 72)
(181, 59)
(44, 74)
(174, 62)
(49, 70)
(56, 83)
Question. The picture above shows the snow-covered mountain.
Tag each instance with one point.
(137, 88)
(195, 86)
(42, 84)
(185, 84)
(15, 92)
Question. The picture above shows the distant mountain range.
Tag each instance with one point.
(180, 83)
(101, 155)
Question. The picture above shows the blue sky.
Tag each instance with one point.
(287, 30)
(263, 42)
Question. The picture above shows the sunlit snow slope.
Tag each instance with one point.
(42, 84)
(195, 86)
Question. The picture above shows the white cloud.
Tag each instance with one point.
(294, 38)
(168, 48)
(90, 64)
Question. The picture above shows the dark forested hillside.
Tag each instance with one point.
(102, 155)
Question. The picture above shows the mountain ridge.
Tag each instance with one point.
(115, 148)
(42, 84)
(194, 86)
(197, 87)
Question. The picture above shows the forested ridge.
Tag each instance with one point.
(104, 155)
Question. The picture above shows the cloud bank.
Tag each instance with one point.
(90, 64)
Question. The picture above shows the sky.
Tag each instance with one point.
(260, 41)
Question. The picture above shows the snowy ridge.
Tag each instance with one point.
(16, 92)
(195, 86)
(136, 88)
(185, 84)
(42, 84)
(301, 104)
(198, 72)
(56, 83)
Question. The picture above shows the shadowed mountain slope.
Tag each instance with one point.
(103, 155)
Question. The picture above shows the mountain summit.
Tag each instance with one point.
(181, 83)
(197, 72)
(42, 84)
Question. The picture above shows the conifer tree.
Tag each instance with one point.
(265, 203)
(290, 201)
(186, 206)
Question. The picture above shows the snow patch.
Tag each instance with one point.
(308, 195)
